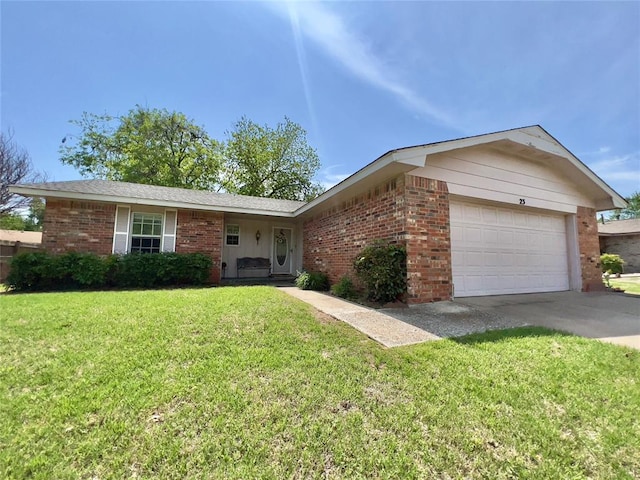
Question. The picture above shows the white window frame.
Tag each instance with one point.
(226, 235)
(160, 236)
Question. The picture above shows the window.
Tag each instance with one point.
(146, 233)
(233, 235)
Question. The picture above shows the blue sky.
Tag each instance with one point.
(361, 77)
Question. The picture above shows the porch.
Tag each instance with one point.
(273, 280)
(260, 250)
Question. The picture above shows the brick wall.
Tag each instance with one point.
(589, 247)
(71, 225)
(202, 232)
(428, 240)
(408, 210)
(333, 238)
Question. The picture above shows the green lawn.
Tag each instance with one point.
(247, 383)
(628, 284)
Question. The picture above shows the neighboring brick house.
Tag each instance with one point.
(622, 237)
(506, 212)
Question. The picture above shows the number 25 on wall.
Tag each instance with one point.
(522, 202)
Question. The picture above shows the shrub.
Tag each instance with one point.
(344, 289)
(382, 267)
(42, 271)
(28, 271)
(312, 281)
(611, 263)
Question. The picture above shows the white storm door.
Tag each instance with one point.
(282, 251)
(502, 250)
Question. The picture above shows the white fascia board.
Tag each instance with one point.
(35, 192)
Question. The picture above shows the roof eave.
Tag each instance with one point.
(386, 160)
(36, 192)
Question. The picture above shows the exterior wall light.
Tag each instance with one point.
(258, 237)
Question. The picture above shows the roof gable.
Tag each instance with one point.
(531, 141)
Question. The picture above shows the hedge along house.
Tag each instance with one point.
(506, 212)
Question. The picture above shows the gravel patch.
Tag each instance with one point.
(451, 319)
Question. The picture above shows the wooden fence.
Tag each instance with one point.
(8, 249)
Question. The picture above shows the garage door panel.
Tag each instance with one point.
(490, 216)
(491, 236)
(498, 250)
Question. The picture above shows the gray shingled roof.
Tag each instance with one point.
(197, 198)
(620, 227)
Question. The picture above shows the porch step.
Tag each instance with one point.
(275, 280)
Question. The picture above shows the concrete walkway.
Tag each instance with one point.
(383, 328)
(608, 317)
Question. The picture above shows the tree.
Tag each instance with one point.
(633, 210)
(266, 162)
(32, 222)
(148, 146)
(12, 221)
(15, 167)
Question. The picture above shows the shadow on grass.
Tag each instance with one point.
(509, 334)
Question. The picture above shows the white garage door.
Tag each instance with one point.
(498, 251)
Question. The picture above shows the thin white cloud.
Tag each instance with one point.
(339, 41)
(604, 165)
(620, 171)
(330, 178)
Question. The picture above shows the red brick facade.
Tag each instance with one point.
(589, 248)
(428, 240)
(408, 210)
(335, 236)
(201, 232)
(72, 225)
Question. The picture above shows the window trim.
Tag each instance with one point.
(226, 235)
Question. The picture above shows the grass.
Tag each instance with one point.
(247, 382)
(628, 284)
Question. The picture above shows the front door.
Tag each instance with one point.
(282, 250)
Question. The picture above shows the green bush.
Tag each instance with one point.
(611, 263)
(345, 289)
(312, 281)
(382, 267)
(28, 271)
(42, 271)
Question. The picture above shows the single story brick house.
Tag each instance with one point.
(622, 237)
(501, 213)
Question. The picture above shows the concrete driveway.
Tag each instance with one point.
(610, 317)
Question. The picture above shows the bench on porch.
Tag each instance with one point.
(253, 267)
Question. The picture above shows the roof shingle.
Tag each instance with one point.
(197, 198)
(620, 227)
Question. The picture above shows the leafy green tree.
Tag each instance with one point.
(35, 216)
(32, 222)
(633, 210)
(12, 221)
(270, 162)
(150, 146)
